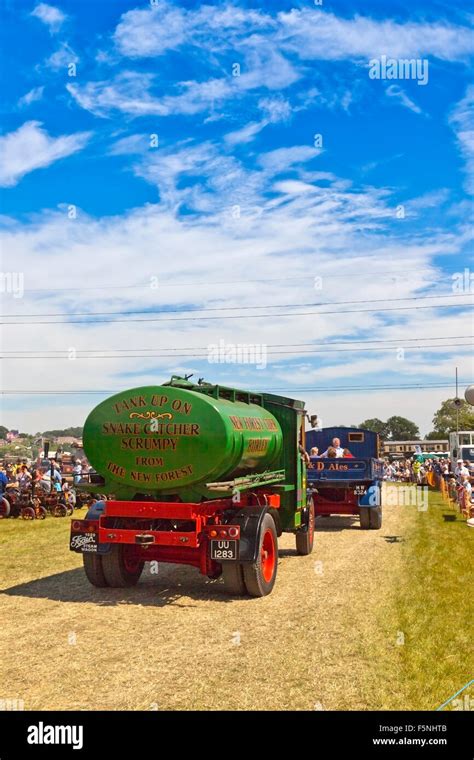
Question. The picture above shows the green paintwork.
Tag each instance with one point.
(175, 438)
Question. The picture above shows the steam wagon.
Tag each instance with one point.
(195, 474)
(347, 485)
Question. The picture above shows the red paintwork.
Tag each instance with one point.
(268, 555)
(343, 502)
(186, 547)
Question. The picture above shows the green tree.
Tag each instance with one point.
(376, 425)
(401, 429)
(444, 421)
(76, 432)
(434, 436)
(3, 431)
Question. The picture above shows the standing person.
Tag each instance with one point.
(465, 495)
(24, 478)
(77, 472)
(460, 471)
(3, 481)
(45, 482)
(416, 467)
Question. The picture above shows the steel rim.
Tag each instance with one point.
(131, 563)
(268, 556)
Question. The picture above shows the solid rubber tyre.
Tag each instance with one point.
(305, 536)
(375, 518)
(119, 571)
(233, 575)
(365, 517)
(93, 569)
(260, 576)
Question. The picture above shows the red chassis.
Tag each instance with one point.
(336, 501)
(174, 532)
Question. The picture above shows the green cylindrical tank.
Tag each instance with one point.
(167, 438)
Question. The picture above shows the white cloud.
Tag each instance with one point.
(30, 147)
(462, 122)
(276, 110)
(311, 33)
(395, 91)
(154, 31)
(131, 92)
(49, 15)
(314, 34)
(282, 159)
(271, 257)
(30, 97)
(62, 58)
(245, 134)
(131, 144)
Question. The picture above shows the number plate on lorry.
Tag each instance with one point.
(83, 542)
(227, 549)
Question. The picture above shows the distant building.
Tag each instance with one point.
(401, 448)
(12, 434)
(68, 439)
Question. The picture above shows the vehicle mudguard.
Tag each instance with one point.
(373, 495)
(250, 520)
(93, 513)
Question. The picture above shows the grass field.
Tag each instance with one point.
(371, 620)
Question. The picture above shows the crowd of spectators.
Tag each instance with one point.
(41, 478)
(457, 476)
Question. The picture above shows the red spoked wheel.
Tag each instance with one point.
(40, 513)
(28, 513)
(4, 507)
(260, 576)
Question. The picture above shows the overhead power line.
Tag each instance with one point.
(268, 350)
(192, 310)
(243, 316)
(291, 391)
(398, 341)
(386, 274)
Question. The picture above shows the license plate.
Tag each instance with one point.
(83, 542)
(224, 549)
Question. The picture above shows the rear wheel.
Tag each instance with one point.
(121, 568)
(364, 518)
(233, 576)
(375, 518)
(28, 513)
(93, 569)
(305, 535)
(260, 576)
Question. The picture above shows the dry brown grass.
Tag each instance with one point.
(325, 637)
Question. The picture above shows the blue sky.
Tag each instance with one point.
(162, 157)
